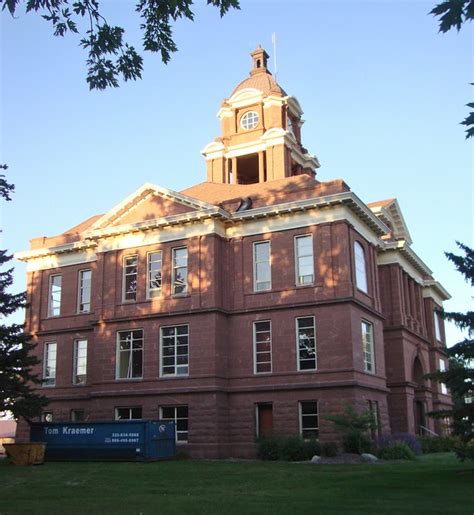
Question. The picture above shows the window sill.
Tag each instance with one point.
(180, 295)
(128, 379)
(174, 376)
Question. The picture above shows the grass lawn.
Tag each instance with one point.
(432, 484)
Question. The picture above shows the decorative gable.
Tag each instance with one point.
(150, 202)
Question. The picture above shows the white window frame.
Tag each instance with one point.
(80, 290)
(51, 306)
(298, 359)
(437, 326)
(298, 257)
(131, 351)
(175, 336)
(177, 432)
(125, 275)
(442, 386)
(300, 416)
(249, 120)
(256, 353)
(153, 293)
(174, 268)
(372, 347)
(129, 411)
(48, 379)
(75, 373)
(360, 271)
(255, 263)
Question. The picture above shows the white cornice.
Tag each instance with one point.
(435, 290)
(188, 224)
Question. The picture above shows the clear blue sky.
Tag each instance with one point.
(383, 94)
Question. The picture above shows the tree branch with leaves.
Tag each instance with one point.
(109, 56)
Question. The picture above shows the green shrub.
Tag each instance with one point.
(286, 448)
(329, 449)
(268, 448)
(397, 451)
(431, 444)
(356, 443)
(465, 450)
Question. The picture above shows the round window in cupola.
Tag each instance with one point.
(249, 120)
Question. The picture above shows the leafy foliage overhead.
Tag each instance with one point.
(109, 55)
(453, 14)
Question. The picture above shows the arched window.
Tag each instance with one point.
(361, 272)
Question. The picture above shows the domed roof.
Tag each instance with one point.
(260, 77)
(264, 82)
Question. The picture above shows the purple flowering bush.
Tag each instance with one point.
(389, 440)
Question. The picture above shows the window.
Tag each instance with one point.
(80, 362)
(49, 364)
(130, 269)
(180, 271)
(262, 344)
(437, 325)
(128, 413)
(261, 266)
(264, 419)
(55, 295)
(361, 273)
(175, 350)
(304, 260)
(309, 427)
(129, 354)
(46, 416)
(249, 120)
(78, 415)
(368, 347)
(84, 297)
(154, 274)
(306, 343)
(442, 386)
(373, 408)
(179, 415)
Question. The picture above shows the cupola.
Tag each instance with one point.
(261, 132)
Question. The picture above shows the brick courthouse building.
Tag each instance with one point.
(259, 301)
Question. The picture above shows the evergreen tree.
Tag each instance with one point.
(459, 378)
(16, 361)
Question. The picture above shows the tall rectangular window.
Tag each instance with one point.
(80, 362)
(262, 272)
(304, 260)
(262, 344)
(309, 424)
(442, 386)
(373, 408)
(179, 415)
(437, 325)
(128, 413)
(130, 270)
(368, 347)
(129, 354)
(49, 364)
(360, 266)
(306, 343)
(54, 307)
(175, 350)
(154, 274)
(180, 271)
(84, 297)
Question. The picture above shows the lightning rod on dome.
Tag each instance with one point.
(274, 41)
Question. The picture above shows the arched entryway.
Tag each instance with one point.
(419, 401)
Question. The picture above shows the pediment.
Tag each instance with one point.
(150, 202)
(390, 213)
